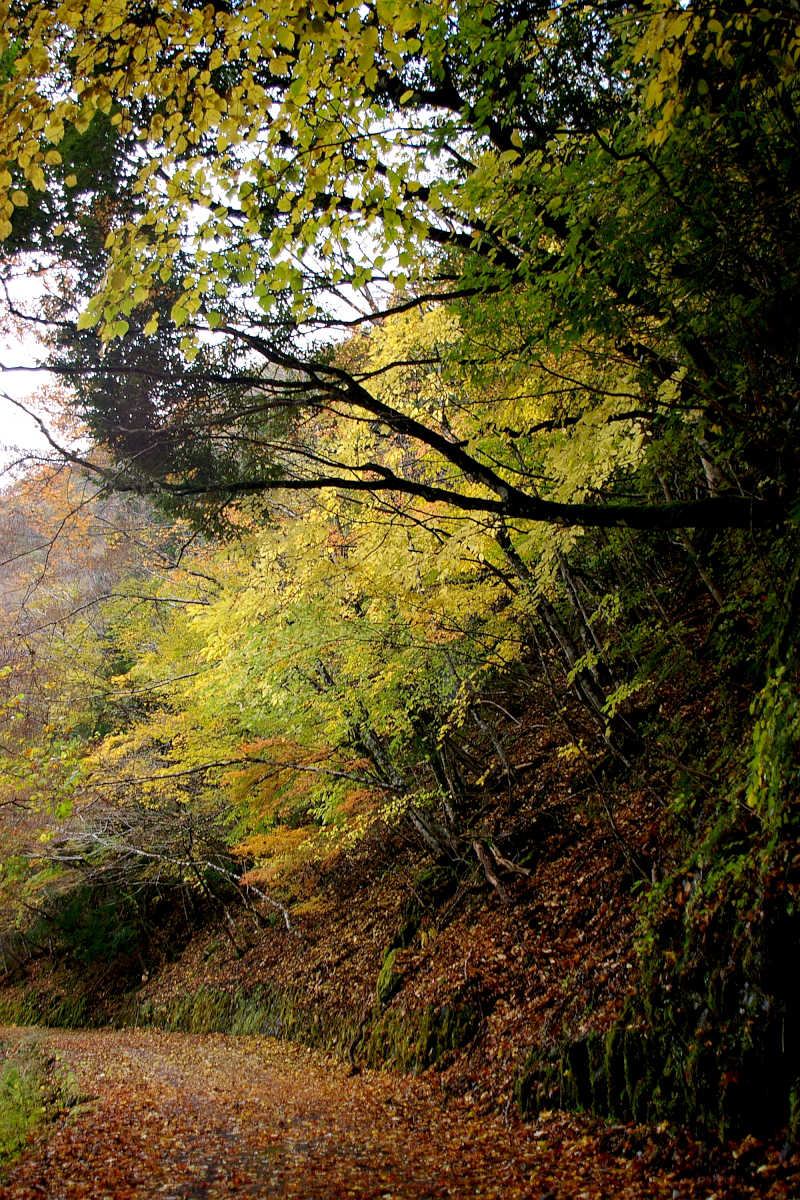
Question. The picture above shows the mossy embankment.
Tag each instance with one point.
(33, 1090)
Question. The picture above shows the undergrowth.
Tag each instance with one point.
(32, 1091)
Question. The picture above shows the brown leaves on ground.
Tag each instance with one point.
(201, 1117)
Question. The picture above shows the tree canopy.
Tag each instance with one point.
(599, 198)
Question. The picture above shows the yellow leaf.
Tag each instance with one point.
(36, 176)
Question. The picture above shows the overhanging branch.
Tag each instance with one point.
(722, 511)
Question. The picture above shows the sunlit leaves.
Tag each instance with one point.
(120, 61)
(293, 174)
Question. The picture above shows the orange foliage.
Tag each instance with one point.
(358, 800)
(280, 840)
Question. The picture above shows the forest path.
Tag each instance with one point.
(199, 1117)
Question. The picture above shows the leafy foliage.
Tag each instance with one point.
(469, 326)
(276, 198)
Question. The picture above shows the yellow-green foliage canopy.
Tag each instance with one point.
(604, 192)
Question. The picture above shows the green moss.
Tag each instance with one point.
(389, 980)
(413, 1041)
(261, 1011)
(794, 1112)
(444, 1029)
(643, 1074)
(57, 1009)
(618, 1074)
(30, 1092)
(614, 1069)
(21, 1102)
(596, 1053)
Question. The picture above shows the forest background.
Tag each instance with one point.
(424, 514)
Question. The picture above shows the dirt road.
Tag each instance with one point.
(201, 1117)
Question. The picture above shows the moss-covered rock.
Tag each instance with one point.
(390, 980)
(413, 1041)
(617, 1074)
(40, 1007)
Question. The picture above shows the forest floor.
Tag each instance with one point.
(185, 1117)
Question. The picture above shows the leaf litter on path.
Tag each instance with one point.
(169, 1116)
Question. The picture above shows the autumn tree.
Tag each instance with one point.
(587, 187)
(88, 581)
